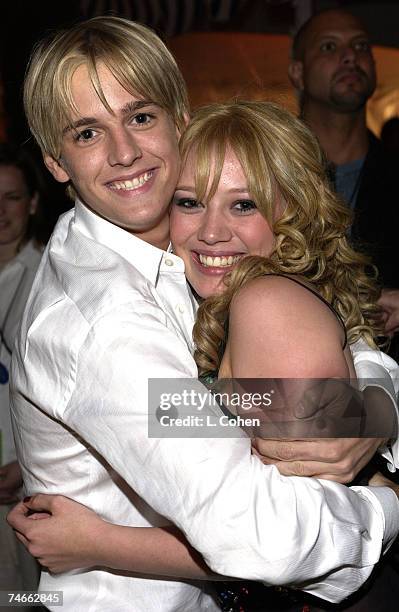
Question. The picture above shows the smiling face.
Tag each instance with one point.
(123, 164)
(337, 66)
(16, 205)
(212, 236)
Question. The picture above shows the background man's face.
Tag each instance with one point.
(123, 164)
(338, 65)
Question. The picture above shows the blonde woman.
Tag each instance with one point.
(266, 171)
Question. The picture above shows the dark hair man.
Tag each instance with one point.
(333, 70)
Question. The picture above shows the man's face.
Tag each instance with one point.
(338, 66)
(124, 165)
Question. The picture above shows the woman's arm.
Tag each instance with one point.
(278, 329)
(63, 535)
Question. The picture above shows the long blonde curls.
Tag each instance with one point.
(279, 156)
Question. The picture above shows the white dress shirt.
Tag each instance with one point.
(108, 311)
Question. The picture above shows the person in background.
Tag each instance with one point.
(20, 253)
(333, 70)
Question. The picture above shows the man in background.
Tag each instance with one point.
(333, 71)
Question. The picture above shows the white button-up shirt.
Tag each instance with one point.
(106, 313)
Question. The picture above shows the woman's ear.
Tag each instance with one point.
(56, 169)
(33, 203)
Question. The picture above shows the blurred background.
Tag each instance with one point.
(225, 48)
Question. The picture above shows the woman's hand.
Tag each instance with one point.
(378, 480)
(64, 535)
(61, 533)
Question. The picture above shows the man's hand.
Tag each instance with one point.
(61, 533)
(10, 482)
(389, 302)
(329, 458)
(333, 410)
(378, 480)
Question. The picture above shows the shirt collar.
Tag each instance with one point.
(145, 257)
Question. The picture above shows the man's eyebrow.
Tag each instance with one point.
(127, 109)
(338, 34)
(82, 122)
(132, 107)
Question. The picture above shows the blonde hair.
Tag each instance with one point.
(279, 155)
(133, 53)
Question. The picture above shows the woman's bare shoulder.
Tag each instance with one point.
(279, 294)
(287, 328)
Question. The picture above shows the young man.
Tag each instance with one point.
(109, 310)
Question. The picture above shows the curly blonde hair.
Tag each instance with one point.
(279, 155)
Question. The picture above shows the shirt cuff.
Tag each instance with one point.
(390, 451)
(391, 454)
(389, 503)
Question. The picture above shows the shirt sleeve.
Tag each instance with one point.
(375, 368)
(246, 519)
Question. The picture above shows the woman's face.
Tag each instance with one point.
(15, 206)
(212, 237)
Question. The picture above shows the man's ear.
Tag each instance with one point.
(295, 73)
(56, 169)
(186, 120)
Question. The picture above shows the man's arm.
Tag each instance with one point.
(244, 518)
(341, 459)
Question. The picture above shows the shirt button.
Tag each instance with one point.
(180, 308)
(168, 262)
